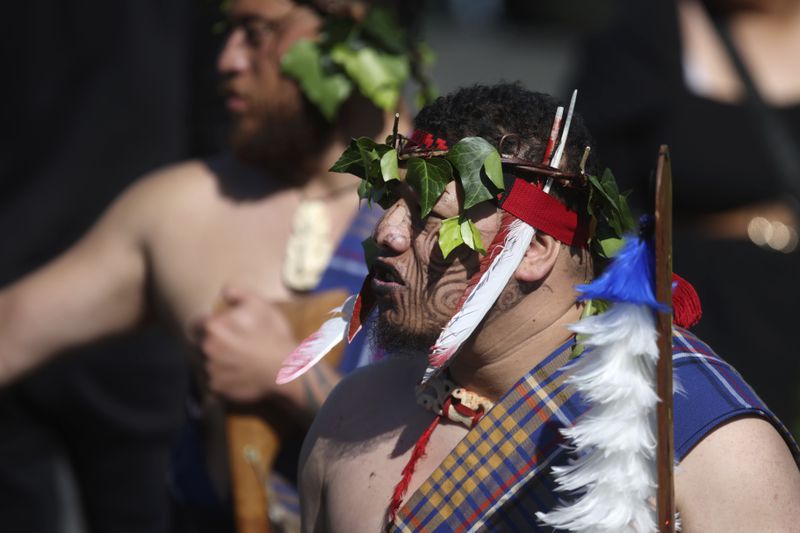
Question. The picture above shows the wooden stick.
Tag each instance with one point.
(665, 455)
(253, 445)
(253, 440)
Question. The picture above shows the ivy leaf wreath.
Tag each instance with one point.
(371, 54)
(479, 167)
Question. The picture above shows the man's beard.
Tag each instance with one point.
(394, 339)
(281, 140)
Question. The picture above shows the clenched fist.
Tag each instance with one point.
(244, 340)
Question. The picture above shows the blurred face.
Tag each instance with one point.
(416, 288)
(270, 115)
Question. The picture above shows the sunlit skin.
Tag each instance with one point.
(417, 288)
(363, 437)
(200, 245)
(369, 446)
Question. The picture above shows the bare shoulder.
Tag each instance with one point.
(187, 194)
(379, 390)
(741, 477)
(366, 409)
(364, 406)
(177, 183)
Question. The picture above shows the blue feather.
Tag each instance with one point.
(629, 278)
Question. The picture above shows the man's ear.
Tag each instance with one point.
(539, 259)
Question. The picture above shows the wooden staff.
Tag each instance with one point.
(665, 456)
(253, 445)
(253, 441)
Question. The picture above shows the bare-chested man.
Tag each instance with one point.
(191, 235)
(737, 471)
(202, 244)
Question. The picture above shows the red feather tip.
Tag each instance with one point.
(686, 308)
(438, 360)
(364, 303)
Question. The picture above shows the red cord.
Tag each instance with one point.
(418, 453)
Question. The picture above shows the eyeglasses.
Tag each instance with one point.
(257, 30)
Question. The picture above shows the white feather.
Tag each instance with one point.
(491, 284)
(562, 145)
(317, 345)
(486, 291)
(613, 474)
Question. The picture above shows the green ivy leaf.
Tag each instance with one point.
(614, 221)
(471, 235)
(369, 192)
(602, 187)
(327, 91)
(450, 236)
(350, 161)
(628, 223)
(611, 246)
(379, 76)
(370, 159)
(365, 191)
(494, 169)
(365, 159)
(389, 169)
(609, 209)
(428, 177)
(380, 26)
(468, 156)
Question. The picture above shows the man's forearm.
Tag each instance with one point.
(17, 356)
(307, 393)
(317, 385)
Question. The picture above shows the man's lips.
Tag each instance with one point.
(386, 278)
(235, 103)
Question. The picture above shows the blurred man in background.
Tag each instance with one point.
(201, 245)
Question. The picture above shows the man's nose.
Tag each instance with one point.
(393, 231)
(234, 57)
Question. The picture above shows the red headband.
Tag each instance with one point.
(529, 203)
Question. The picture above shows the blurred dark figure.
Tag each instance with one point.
(719, 81)
(96, 94)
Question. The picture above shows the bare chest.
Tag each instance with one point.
(245, 244)
(359, 487)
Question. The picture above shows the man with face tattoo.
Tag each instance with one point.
(474, 448)
(202, 245)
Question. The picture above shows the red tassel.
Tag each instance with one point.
(686, 308)
(408, 471)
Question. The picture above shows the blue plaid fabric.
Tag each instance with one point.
(498, 476)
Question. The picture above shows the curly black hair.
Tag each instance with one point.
(506, 108)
